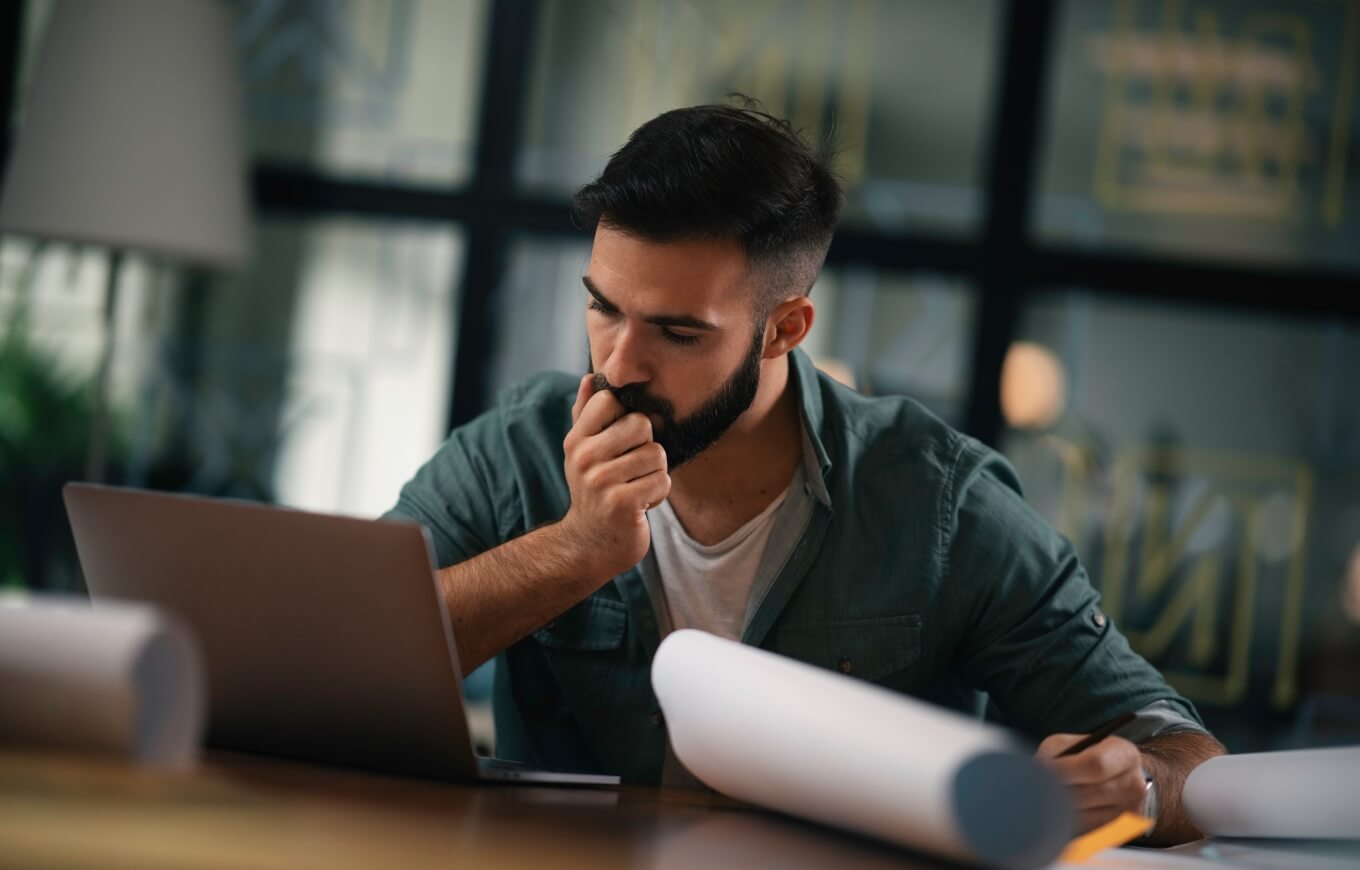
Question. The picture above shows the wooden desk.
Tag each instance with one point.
(74, 811)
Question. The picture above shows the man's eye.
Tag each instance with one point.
(596, 306)
(677, 338)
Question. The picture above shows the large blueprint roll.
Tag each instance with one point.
(1312, 793)
(116, 678)
(812, 743)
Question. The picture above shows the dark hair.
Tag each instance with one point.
(723, 172)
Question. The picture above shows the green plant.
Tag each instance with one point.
(45, 417)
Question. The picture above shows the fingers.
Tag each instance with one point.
(639, 476)
(583, 393)
(638, 462)
(1056, 744)
(632, 500)
(648, 491)
(1090, 819)
(1103, 780)
(615, 473)
(628, 433)
(599, 413)
(1106, 760)
(1124, 792)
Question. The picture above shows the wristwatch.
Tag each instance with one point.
(1150, 800)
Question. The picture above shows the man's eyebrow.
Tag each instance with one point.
(685, 321)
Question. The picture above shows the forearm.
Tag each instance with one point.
(1169, 759)
(500, 596)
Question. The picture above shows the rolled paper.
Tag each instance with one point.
(117, 678)
(1312, 793)
(812, 743)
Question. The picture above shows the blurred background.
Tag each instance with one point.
(1117, 239)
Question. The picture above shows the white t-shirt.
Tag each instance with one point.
(708, 586)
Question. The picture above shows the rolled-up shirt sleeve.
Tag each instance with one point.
(1032, 632)
(456, 496)
(1157, 718)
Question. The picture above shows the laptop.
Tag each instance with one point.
(325, 638)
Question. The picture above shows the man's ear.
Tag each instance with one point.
(788, 325)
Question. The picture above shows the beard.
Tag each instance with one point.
(685, 439)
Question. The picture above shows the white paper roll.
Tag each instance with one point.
(1313, 793)
(812, 743)
(119, 678)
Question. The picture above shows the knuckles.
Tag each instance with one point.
(636, 425)
(613, 501)
(657, 454)
(1113, 757)
(593, 477)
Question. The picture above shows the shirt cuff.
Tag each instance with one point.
(1159, 717)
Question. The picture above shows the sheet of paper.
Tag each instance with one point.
(1270, 854)
(119, 678)
(1307, 793)
(1140, 859)
(812, 743)
(1238, 854)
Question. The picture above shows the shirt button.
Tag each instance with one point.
(1099, 619)
(657, 720)
(845, 666)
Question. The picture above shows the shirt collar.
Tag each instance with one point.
(816, 463)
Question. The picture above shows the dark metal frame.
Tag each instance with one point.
(1004, 263)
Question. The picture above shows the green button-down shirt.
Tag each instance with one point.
(914, 564)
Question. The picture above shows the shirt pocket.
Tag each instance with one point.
(872, 649)
(594, 625)
(585, 653)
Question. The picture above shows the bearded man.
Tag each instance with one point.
(706, 475)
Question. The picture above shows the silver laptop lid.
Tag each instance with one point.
(325, 638)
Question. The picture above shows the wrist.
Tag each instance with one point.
(576, 558)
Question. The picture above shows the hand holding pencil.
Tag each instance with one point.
(1103, 772)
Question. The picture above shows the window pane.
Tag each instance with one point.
(1215, 128)
(318, 379)
(1207, 466)
(897, 334)
(385, 88)
(540, 312)
(369, 354)
(906, 85)
(371, 88)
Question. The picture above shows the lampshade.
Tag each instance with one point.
(131, 136)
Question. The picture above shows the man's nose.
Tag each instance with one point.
(627, 363)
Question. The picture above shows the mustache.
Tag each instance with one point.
(634, 397)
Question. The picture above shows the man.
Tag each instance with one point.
(706, 475)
